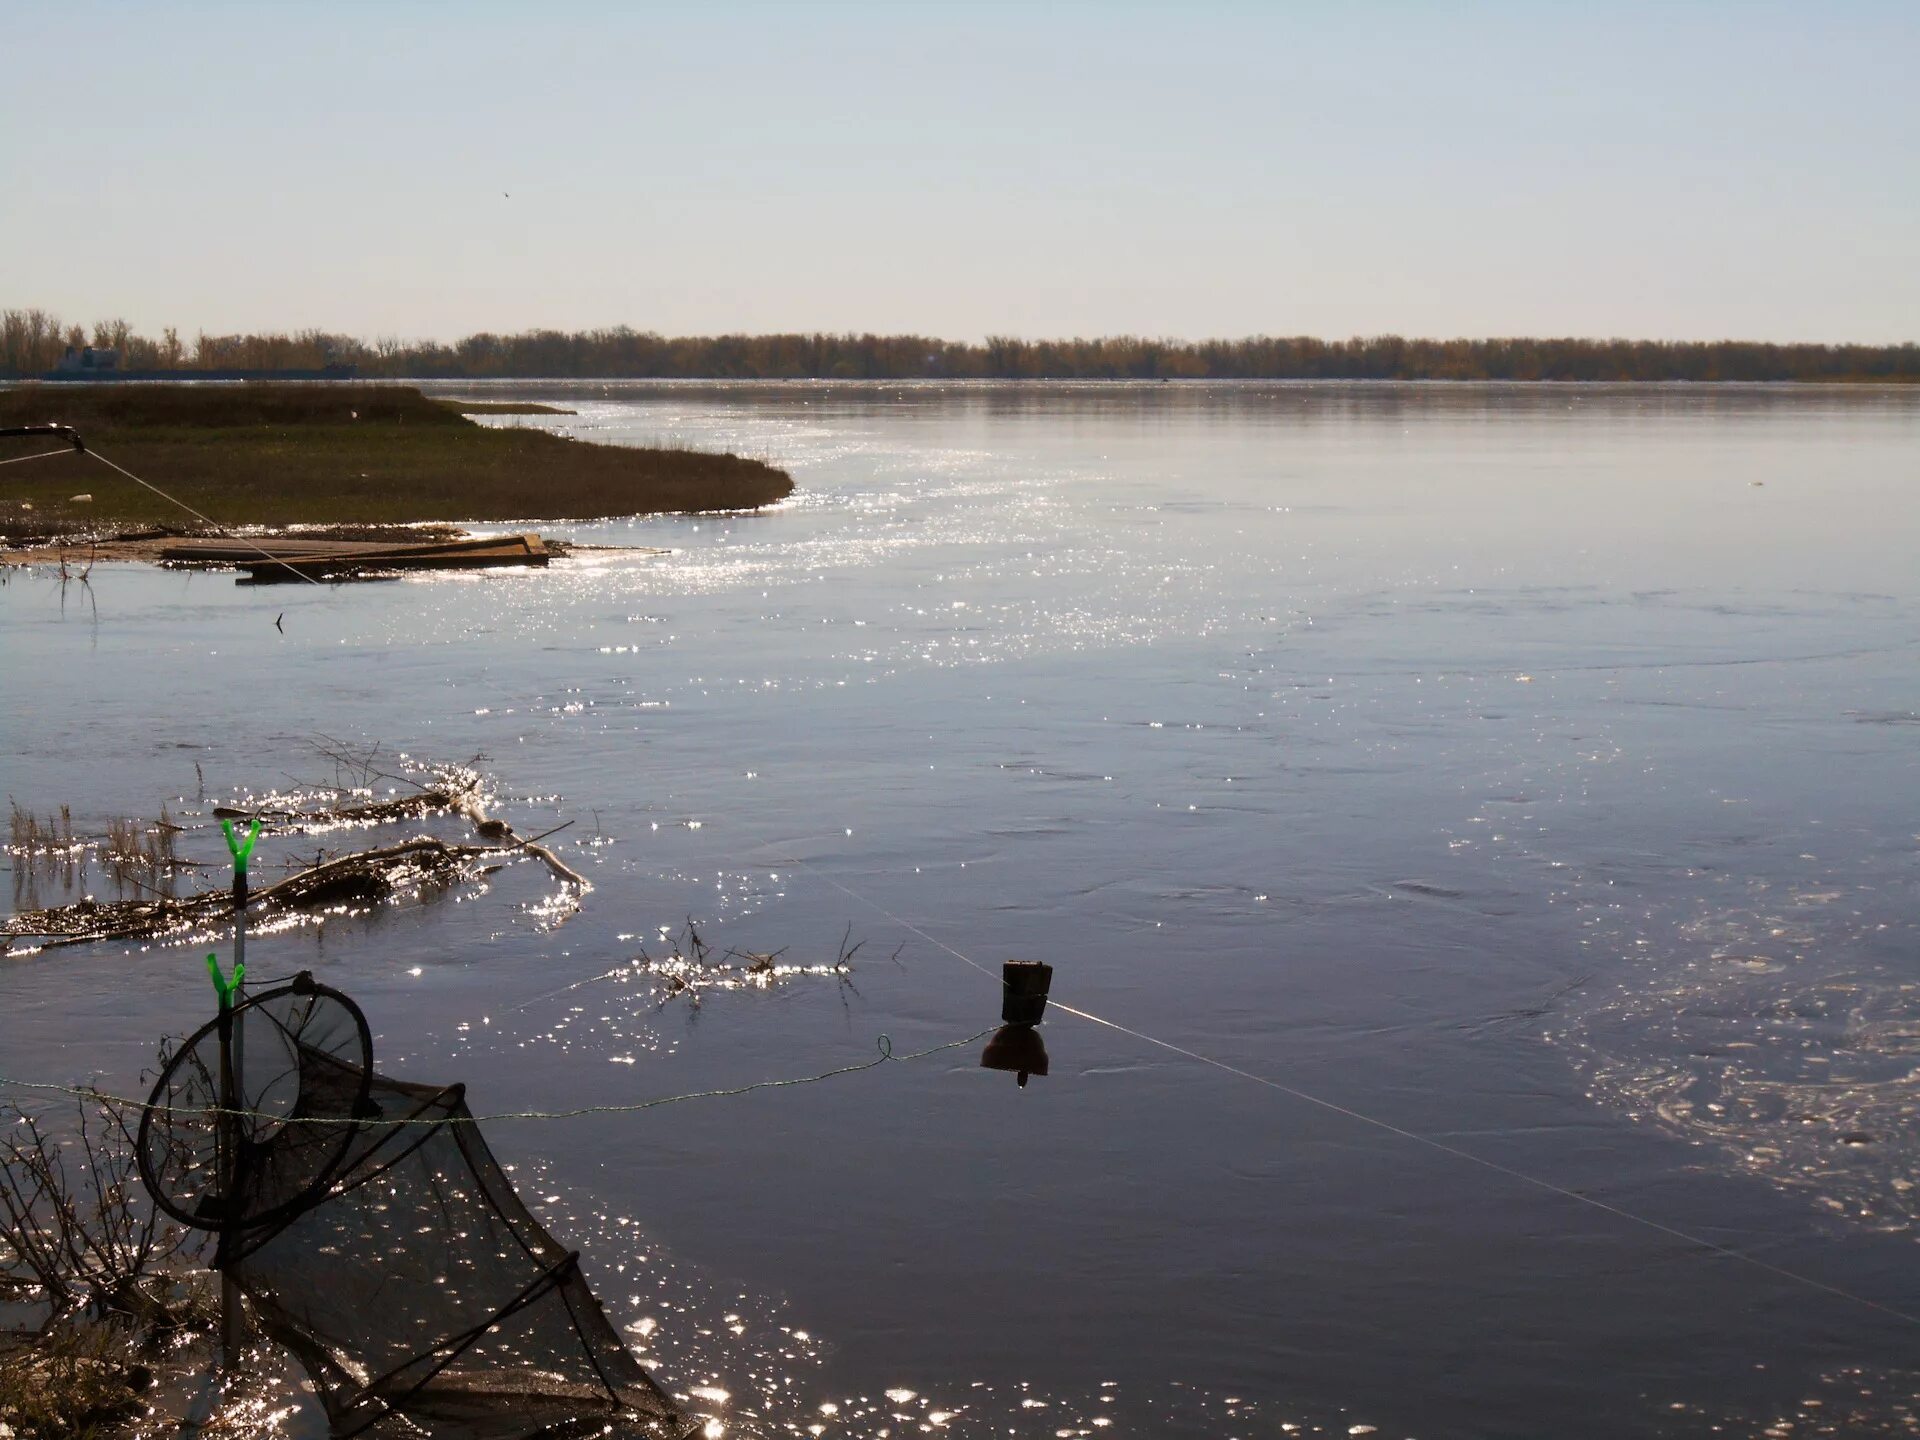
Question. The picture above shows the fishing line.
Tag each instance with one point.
(884, 1044)
(1607, 1207)
(172, 500)
(886, 1055)
(219, 529)
(40, 455)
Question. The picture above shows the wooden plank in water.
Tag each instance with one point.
(265, 571)
(485, 549)
(278, 558)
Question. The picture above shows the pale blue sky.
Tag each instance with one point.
(1682, 170)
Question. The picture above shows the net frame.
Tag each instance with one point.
(183, 1127)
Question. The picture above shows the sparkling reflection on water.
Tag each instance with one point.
(1534, 768)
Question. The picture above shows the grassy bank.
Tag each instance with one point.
(334, 454)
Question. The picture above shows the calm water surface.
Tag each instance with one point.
(1535, 770)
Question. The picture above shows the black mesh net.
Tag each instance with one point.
(378, 1239)
(300, 1050)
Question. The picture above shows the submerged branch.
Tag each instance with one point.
(364, 876)
(148, 907)
(407, 807)
(470, 805)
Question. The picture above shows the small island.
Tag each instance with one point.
(340, 455)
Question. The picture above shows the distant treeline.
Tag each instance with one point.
(32, 342)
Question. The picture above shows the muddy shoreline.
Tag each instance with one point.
(77, 553)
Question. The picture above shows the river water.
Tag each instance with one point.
(1530, 770)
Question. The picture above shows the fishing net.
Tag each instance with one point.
(378, 1239)
(303, 1049)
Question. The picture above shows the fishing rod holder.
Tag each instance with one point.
(49, 432)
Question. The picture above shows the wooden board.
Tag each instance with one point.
(485, 549)
(277, 558)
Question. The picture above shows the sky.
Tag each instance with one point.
(1683, 170)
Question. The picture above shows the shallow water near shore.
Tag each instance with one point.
(1532, 769)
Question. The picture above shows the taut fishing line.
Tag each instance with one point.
(39, 455)
(886, 1055)
(1539, 1183)
(204, 519)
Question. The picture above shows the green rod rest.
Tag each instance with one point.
(241, 853)
(226, 989)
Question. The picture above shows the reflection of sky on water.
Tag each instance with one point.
(1369, 738)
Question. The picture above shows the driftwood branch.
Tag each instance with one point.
(488, 828)
(362, 877)
(406, 807)
(365, 875)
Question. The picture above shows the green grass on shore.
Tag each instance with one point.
(333, 454)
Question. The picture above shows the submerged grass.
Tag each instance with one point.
(329, 454)
(135, 854)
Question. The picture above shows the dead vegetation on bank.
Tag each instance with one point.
(76, 1384)
(98, 1285)
(83, 1241)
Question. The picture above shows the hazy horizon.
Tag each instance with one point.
(88, 318)
(1219, 171)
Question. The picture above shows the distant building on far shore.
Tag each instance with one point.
(88, 361)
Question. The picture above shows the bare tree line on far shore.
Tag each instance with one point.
(32, 342)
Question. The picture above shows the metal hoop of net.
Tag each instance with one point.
(298, 1054)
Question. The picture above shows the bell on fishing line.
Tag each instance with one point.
(1018, 1048)
(1016, 1045)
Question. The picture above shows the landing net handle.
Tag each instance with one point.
(233, 1325)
